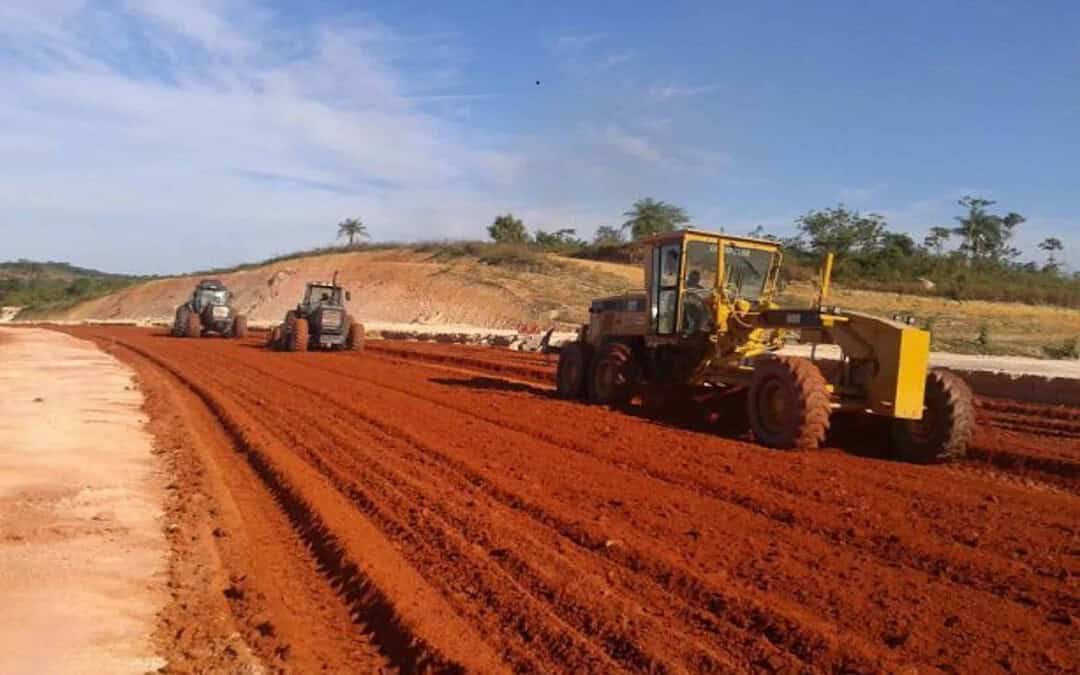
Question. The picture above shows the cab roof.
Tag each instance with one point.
(679, 234)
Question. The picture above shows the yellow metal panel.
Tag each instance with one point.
(911, 373)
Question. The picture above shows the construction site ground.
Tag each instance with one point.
(429, 507)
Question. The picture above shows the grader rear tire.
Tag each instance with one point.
(789, 404)
(192, 325)
(947, 425)
(298, 338)
(573, 370)
(239, 329)
(615, 375)
(273, 340)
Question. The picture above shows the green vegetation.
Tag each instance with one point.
(514, 255)
(1069, 349)
(649, 216)
(353, 228)
(984, 265)
(508, 230)
(39, 286)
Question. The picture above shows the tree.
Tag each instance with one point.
(563, 239)
(841, 231)
(986, 236)
(607, 235)
(649, 216)
(935, 241)
(508, 230)
(759, 232)
(1052, 245)
(352, 228)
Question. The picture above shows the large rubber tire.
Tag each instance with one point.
(179, 326)
(573, 371)
(298, 338)
(273, 340)
(239, 328)
(192, 325)
(947, 425)
(789, 404)
(615, 375)
(354, 339)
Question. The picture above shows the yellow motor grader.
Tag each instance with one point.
(708, 318)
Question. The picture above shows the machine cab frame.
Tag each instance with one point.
(691, 273)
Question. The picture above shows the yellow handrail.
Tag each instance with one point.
(826, 279)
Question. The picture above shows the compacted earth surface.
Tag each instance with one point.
(419, 507)
(82, 553)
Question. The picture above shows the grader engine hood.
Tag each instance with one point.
(901, 358)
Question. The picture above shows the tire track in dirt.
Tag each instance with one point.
(705, 545)
(891, 549)
(385, 501)
(329, 360)
(214, 575)
(618, 645)
(1057, 462)
(367, 603)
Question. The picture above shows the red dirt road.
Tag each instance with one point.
(435, 508)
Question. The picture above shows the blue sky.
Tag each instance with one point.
(155, 136)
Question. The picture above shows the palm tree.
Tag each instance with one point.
(649, 216)
(352, 228)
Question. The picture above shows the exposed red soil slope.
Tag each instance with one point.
(443, 500)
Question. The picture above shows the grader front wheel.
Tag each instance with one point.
(789, 404)
(947, 425)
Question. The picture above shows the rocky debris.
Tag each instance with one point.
(525, 342)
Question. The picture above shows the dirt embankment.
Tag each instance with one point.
(398, 286)
(464, 518)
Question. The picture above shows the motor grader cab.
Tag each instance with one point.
(709, 318)
(209, 310)
(320, 321)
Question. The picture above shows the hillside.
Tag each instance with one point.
(51, 286)
(459, 286)
(395, 285)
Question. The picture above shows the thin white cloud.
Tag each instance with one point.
(201, 21)
(666, 92)
(609, 61)
(581, 54)
(212, 149)
(564, 44)
(631, 144)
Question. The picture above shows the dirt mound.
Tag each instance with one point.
(461, 513)
(399, 286)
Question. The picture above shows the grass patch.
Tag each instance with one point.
(1068, 349)
(41, 287)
